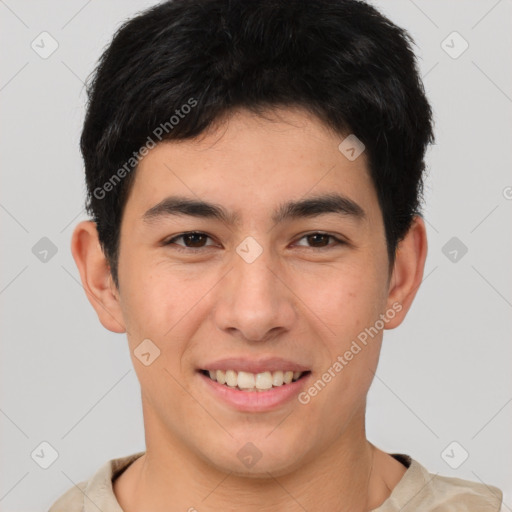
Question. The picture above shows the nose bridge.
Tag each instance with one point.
(253, 276)
(255, 300)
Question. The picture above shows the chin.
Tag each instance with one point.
(260, 456)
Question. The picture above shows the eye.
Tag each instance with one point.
(318, 239)
(192, 240)
(195, 240)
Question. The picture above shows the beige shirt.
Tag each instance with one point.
(417, 491)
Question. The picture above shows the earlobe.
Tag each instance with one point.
(95, 275)
(407, 271)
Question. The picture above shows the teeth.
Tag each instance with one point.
(252, 382)
(231, 378)
(277, 378)
(288, 376)
(221, 376)
(246, 380)
(263, 380)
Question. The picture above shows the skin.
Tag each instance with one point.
(295, 301)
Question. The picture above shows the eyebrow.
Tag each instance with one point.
(302, 208)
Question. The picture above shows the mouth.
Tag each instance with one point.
(253, 385)
(254, 382)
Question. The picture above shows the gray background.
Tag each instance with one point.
(445, 374)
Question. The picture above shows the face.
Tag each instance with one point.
(254, 293)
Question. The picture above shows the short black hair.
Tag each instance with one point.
(175, 69)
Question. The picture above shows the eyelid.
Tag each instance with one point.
(338, 241)
(184, 248)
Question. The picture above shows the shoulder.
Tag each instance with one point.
(97, 492)
(464, 495)
(421, 491)
(72, 500)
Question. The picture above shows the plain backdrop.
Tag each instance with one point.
(444, 375)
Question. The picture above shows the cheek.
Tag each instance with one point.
(152, 296)
(150, 304)
(163, 304)
(355, 301)
(351, 299)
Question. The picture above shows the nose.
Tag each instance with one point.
(256, 303)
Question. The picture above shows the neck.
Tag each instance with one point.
(351, 476)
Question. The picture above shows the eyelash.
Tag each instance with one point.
(179, 248)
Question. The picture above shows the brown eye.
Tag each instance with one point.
(321, 240)
(318, 238)
(192, 240)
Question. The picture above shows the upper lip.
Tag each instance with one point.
(272, 364)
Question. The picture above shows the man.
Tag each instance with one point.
(254, 174)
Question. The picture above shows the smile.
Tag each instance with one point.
(246, 381)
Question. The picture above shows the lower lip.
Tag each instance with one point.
(255, 401)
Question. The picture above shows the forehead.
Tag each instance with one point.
(248, 162)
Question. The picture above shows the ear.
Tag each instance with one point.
(96, 277)
(407, 272)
